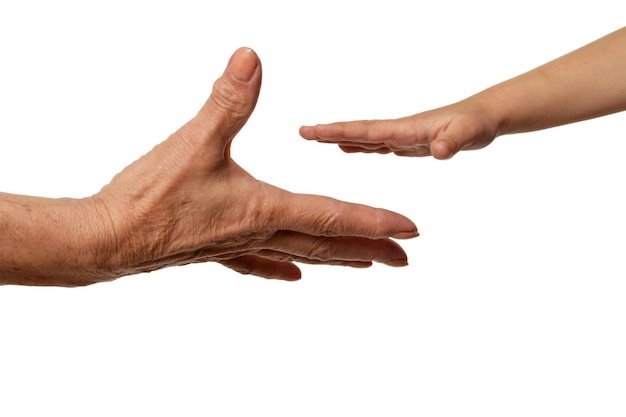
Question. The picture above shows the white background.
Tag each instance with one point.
(514, 302)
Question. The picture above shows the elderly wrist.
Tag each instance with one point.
(98, 237)
(51, 241)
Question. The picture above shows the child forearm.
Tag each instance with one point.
(586, 83)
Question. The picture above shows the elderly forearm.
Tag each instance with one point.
(48, 241)
(586, 83)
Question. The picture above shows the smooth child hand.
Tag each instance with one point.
(440, 133)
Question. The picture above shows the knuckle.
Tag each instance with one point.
(227, 99)
(322, 251)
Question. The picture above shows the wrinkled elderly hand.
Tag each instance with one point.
(187, 201)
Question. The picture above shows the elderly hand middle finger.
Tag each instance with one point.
(324, 249)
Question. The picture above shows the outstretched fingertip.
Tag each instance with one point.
(407, 234)
(291, 272)
(398, 263)
(243, 64)
(307, 132)
(404, 228)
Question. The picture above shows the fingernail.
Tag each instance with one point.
(406, 235)
(398, 262)
(243, 64)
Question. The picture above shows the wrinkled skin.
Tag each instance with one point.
(188, 201)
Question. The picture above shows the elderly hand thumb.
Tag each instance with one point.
(234, 96)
